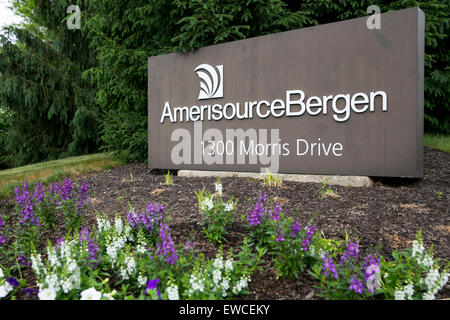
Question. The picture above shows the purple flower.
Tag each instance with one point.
(2, 223)
(148, 220)
(276, 212)
(280, 235)
(55, 190)
(83, 196)
(28, 218)
(152, 285)
(352, 251)
(22, 195)
(329, 267)
(295, 228)
(24, 205)
(59, 241)
(371, 268)
(356, 285)
(92, 246)
(255, 215)
(66, 190)
(2, 240)
(309, 234)
(189, 246)
(28, 292)
(22, 260)
(262, 197)
(38, 195)
(166, 247)
(13, 282)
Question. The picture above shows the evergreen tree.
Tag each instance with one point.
(53, 111)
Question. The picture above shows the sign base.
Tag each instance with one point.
(345, 181)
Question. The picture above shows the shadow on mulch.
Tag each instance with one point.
(390, 213)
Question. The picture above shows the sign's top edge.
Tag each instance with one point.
(419, 11)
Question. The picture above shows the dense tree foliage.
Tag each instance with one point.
(53, 111)
(51, 98)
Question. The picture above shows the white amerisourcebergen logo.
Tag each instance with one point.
(211, 81)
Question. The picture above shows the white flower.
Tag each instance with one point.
(172, 293)
(225, 286)
(108, 296)
(51, 256)
(103, 224)
(218, 263)
(428, 296)
(241, 284)
(386, 275)
(229, 207)
(443, 280)
(217, 276)
(427, 261)
(196, 283)
(128, 267)
(409, 291)
(5, 288)
(207, 204)
(399, 295)
(142, 280)
(36, 264)
(1, 273)
(219, 189)
(140, 249)
(91, 294)
(113, 247)
(47, 294)
(432, 281)
(417, 248)
(118, 225)
(229, 265)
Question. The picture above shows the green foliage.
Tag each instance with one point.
(437, 141)
(272, 180)
(413, 274)
(217, 215)
(168, 178)
(4, 127)
(325, 190)
(52, 110)
(291, 247)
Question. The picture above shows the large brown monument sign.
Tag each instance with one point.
(333, 99)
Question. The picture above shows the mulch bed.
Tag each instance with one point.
(389, 213)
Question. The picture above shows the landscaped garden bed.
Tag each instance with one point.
(127, 233)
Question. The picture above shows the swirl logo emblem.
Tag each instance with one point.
(211, 81)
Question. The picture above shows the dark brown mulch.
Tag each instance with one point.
(390, 213)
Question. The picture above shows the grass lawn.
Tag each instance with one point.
(437, 141)
(55, 170)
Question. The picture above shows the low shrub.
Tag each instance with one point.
(217, 215)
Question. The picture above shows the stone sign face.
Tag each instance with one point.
(337, 99)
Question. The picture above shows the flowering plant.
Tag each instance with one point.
(197, 278)
(217, 214)
(288, 243)
(66, 272)
(413, 274)
(72, 206)
(344, 274)
(148, 222)
(7, 284)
